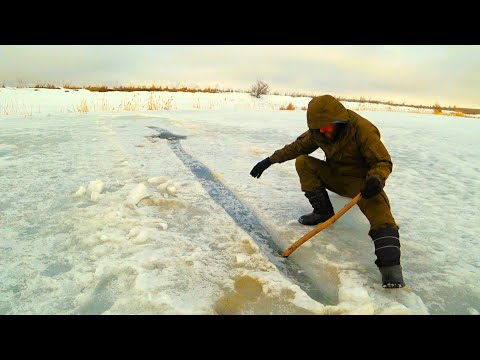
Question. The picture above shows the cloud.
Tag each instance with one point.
(448, 74)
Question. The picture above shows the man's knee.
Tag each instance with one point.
(302, 162)
(378, 212)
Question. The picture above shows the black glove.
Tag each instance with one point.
(372, 187)
(261, 167)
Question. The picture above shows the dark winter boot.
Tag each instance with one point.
(392, 277)
(387, 249)
(322, 207)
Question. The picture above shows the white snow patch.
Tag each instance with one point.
(241, 259)
(142, 237)
(4, 162)
(353, 295)
(158, 180)
(258, 151)
(332, 248)
(396, 309)
(96, 186)
(138, 193)
(81, 191)
(162, 187)
(164, 226)
(307, 244)
(7, 147)
(100, 250)
(95, 196)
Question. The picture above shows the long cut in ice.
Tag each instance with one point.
(242, 216)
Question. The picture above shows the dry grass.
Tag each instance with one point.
(14, 108)
(159, 104)
(290, 106)
(154, 88)
(105, 88)
(83, 107)
(364, 100)
(21, 84)
(167, 104)
(102, 105)
(71, 87)
(97, 88)
(190, 90)
(135, 88)
(6, 109)
(133, 104)
(46, 86)
(438, 111)
(130, 105)
(296, 94)
(152, 103)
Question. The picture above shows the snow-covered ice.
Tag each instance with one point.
(138, 193)
(81, 191)
(96, 186)
(96, 217)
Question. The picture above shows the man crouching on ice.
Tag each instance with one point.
(356, 162)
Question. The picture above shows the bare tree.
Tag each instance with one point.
(21, 83)
(259, 88)
(437, 109)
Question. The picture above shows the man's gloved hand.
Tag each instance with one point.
(372, 187)
(261, 167)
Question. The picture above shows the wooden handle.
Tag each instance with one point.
(321, 226)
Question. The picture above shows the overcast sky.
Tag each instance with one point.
(419, 74)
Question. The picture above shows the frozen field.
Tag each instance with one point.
(98, 217)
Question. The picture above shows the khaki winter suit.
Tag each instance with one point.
(355, 155)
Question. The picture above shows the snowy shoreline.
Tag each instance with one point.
(30, 102)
